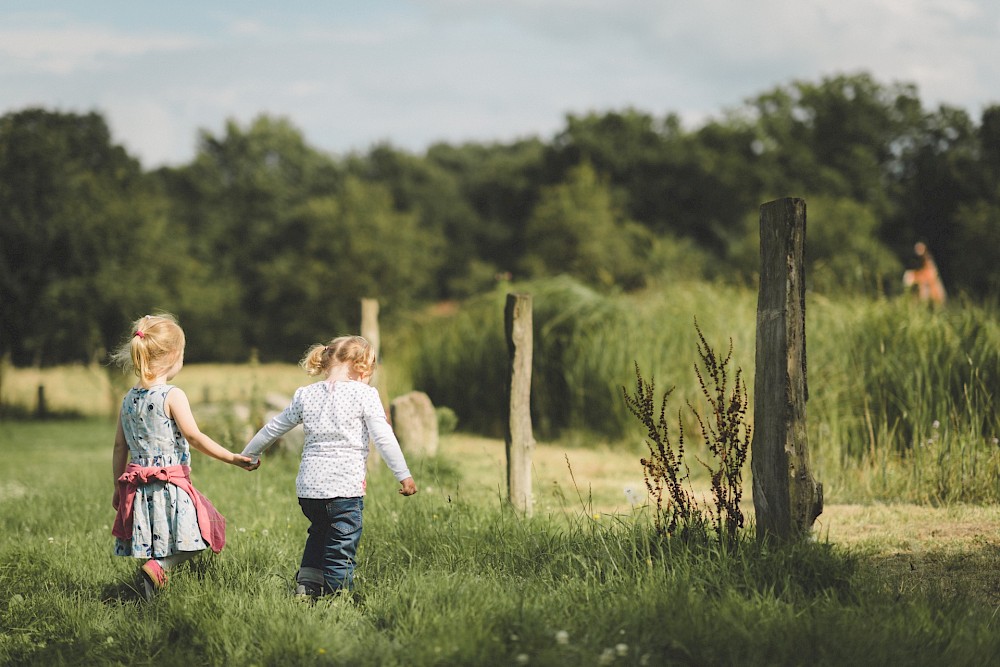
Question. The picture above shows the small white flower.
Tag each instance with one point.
(607, 657)
(996, 441)
(264, 532)
(621, 649)
(513, 638)
(936, 425)
(522, 658)
(243, 530)
(52, 539)
(562, 637)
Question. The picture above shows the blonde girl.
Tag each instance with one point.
(161, 518)
(340, 414)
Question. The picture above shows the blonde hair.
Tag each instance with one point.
(154, 345)
(353, 350)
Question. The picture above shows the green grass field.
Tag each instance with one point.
(450, 577)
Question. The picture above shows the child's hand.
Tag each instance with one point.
(245, 462)
(409, 486)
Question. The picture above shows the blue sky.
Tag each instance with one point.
(349, 74)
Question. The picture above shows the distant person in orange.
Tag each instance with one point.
(925, 280)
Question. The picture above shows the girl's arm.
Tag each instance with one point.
(278, 426)
(119, 459)
(387, 444)
(179, 409)
(271, 431)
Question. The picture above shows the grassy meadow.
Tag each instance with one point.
(451, 577)
(903, 567)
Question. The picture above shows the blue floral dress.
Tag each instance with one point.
(164, 519)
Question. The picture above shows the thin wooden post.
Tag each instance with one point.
(520, 442)
(42, 409)
(786, 498)
(370, 331)
(369, 323)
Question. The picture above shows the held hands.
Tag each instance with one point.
(409, 487)
(245, 462)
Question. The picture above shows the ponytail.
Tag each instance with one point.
(353, 350)
(154, 345)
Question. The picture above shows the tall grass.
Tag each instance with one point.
(585, 347)
(442, 581)
(905, 401)
(881, 374)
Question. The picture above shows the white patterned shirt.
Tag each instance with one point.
(339, 419)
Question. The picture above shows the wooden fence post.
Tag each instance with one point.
(369, 323)
(786, 498)
(370, 332)
(42, 408)
(520, 442)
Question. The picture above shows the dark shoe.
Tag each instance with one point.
(308, 591)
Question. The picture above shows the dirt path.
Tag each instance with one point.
(612, 480)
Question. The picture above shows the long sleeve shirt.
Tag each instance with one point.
(339, 420)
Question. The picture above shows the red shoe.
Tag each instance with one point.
(151, 580)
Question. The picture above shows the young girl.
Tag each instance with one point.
(161, 516)
(339, 414)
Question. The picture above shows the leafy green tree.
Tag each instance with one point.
(352, 246)
(236, 201)
(85, 246)
(976, 240)
(576, 230)
(501, 183)
(426, 189)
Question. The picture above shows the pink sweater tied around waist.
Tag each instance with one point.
(211, 524)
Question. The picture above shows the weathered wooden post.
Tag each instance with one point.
(786, 498)
(369, 323)
(520, 442)
(370, 332)
(42, 409)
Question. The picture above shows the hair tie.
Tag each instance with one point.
(140, 334)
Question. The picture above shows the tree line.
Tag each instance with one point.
(265, 242)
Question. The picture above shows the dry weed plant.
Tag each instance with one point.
(727, 437)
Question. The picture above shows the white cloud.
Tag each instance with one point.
(349, 74)
(69, 48)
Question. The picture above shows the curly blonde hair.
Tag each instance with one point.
(154, 345)
(353, 350)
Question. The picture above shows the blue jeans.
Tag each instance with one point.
(334, 533)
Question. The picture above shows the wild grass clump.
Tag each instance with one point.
(904, 400)
(585, 343)
(727, 436)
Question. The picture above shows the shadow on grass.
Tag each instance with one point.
(969, 577)
(121, 592)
